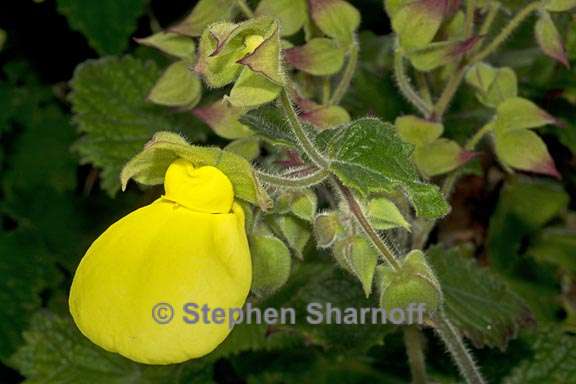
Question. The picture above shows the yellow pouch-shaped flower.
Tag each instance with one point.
(189, 246)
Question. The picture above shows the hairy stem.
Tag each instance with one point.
(490, 17)
(406, 88)
(458, 350)
(448, 94)
(507, 31)
(326, 90)
(469, 21)
(305, 142)
(346, 79)
(293, 182)
(416, 358)
(356, 209)
(245, 8)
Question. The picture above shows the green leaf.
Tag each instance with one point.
(440, 157)
(322, 116)
(516, 218)
(319, 57)
(252, 90)
(385, 215)
(442, 53)
(108, 101)
(560, 5)
(553, 360)
(416, 23)
(368, 156)
(25, 272)
(291, 14)
(480, 305)
(56, 352)
(106, 24)
(555, 246)
(177, 87)
(248, 148)
(206, 12)
(173, 44)
(271, 264)
(149, 166)
(269, 123)
(417, 131)
(518, 113)
(357, 256)
(336, 18)
(525, 150)
(223, 118)
(549, 39)
(494, 85)
(295, 232)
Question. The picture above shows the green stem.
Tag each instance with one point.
(448, 94)
(346, 79)
(245, 9)
(356, 209)
(305, 142)
(490, 17)
(405, 87)
(474, 140)
(506, 32)
(293, 182)
(424, 87)
(414, 349)
(469, 21)
(458, 350)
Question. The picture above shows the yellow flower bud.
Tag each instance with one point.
(189, 246)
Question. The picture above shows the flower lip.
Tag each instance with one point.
(204, 189)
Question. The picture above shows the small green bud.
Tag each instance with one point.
(294, 231)
(414, 283)
(271, 263)
(327, 229)
(356, 255)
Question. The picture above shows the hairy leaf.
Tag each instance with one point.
(367, 155)
(107, 24)
(480, 305)
(109, 102)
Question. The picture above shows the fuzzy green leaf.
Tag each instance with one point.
(385, 215)
(205, 13)
(336, 18)
(549, 39)
(109, 103)
(173, 44)
(252, 89)
(77, 360)
(223, 119)
(417, 131)
(319, 57)
(439, 157)
(106, 24)
(149, 166)
(526, 151)
(357, 256)
(442, 53)
(553, 360)
(494, 85)
(481, 306)
(25, 271)
(291, 14)
(367, 155)
(177, 87)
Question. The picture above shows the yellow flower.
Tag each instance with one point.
(189, 246)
